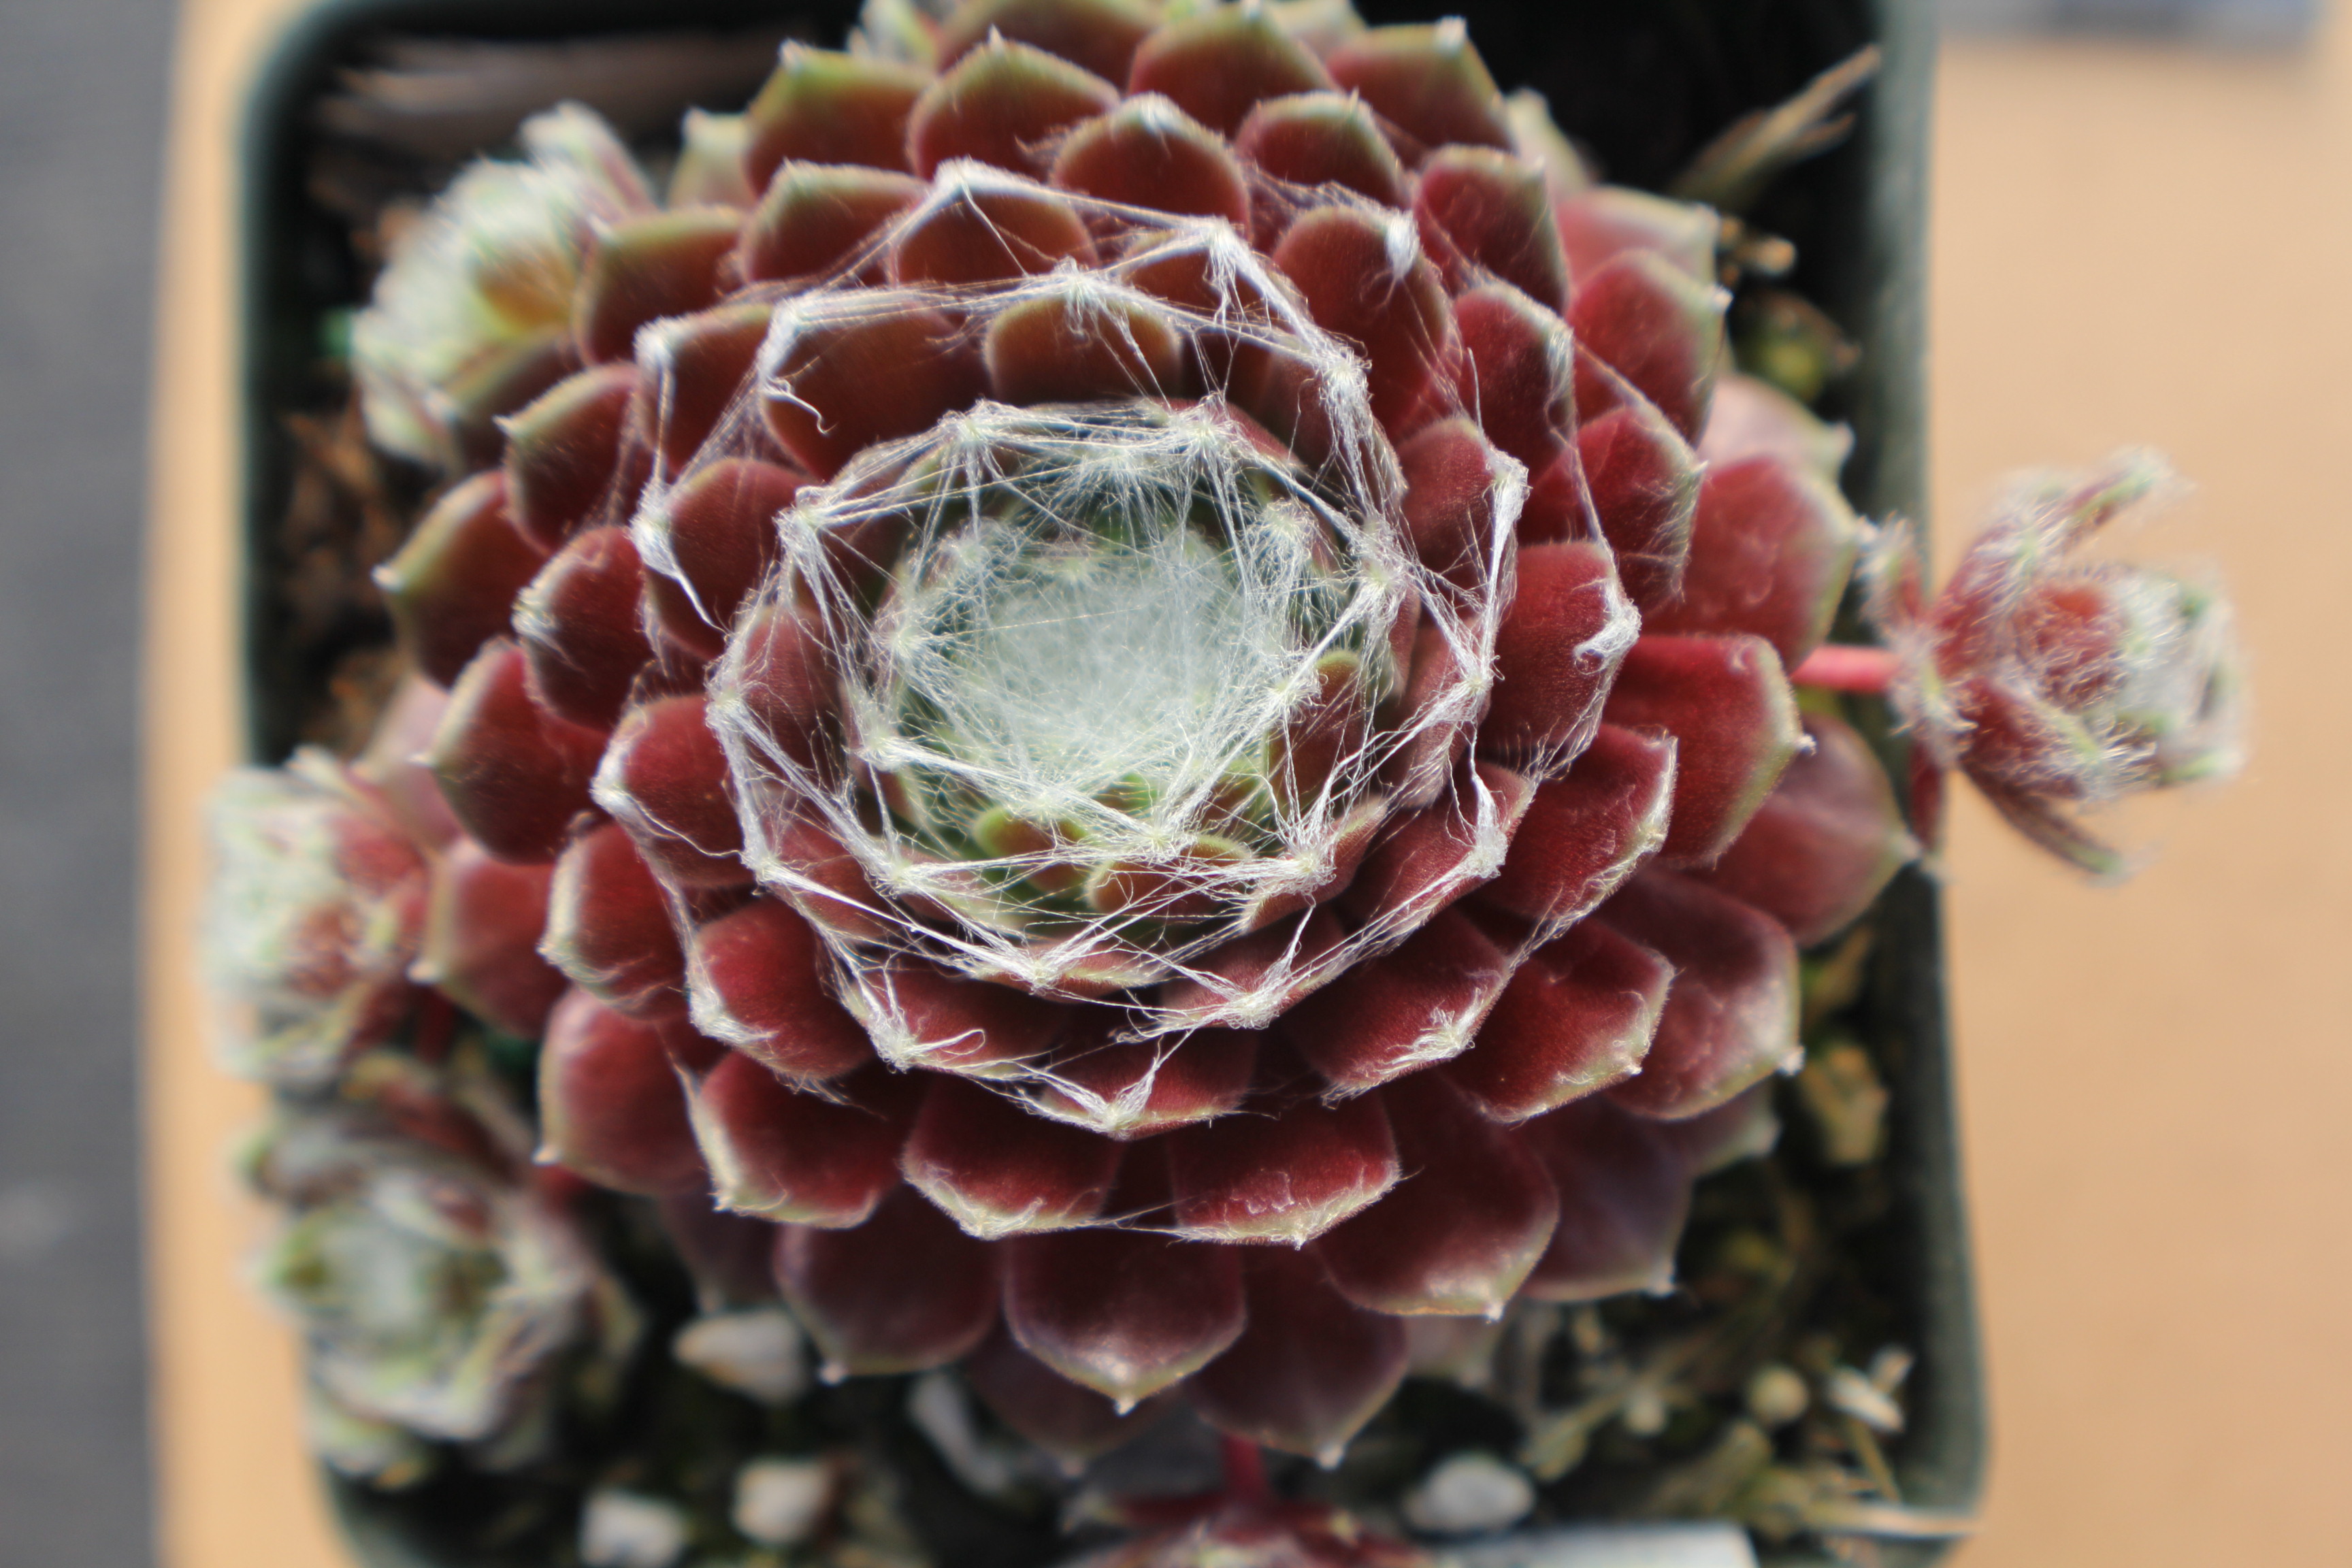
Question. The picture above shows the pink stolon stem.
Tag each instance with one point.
(1870, 672)
(1843, 667)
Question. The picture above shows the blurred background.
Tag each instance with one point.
(83, 108)
(2143, 215)
(2262, 24)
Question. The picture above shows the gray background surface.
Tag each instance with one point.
(82, 95)
(2255, 24)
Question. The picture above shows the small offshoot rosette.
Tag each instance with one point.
(2057, 682)
(447, 1295)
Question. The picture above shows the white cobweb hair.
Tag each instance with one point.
(1195, 654)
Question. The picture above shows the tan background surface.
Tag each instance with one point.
(2131, 245)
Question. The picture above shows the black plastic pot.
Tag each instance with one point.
(1643, 83)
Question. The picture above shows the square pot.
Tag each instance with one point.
(1644, 86)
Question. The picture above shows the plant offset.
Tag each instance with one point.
(1115, 704)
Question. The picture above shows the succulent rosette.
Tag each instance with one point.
(316, 913)
(472, 316)
(2054, 680)
(345, 894)
(445, 1291)
(1151, 696)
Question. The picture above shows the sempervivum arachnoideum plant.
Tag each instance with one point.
(1148, 698)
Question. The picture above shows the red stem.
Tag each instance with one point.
(1843, 667)
(1245, 1471)
(436, 1023)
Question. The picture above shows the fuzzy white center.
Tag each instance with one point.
(1087, 664)
(1111, 636)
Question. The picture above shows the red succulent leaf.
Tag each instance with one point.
(780, 1153)
(1734, 720)
(815, 217)
(1586, 830)
(1068, 1420)
(1578, 1016)
(1557, 654)
(1730, 1017)
(1428, 858)
(1311, 1368)
(1460, 1233)
(611, 1107)
(715, 538)
(919, 1015)
(1082, 344)
(901, 1292)
(1099, 35)
(1364, 277)
(1825, 842)
(1771, 549)
(1311, 138)
(665, 264)
(1147, 152)
(1133, 1088)
(998, 1170)
(1624, 1192)
(1644, 482)
(982, 229)
(1285, 1171)
(1002, 103)
(1403, 1010)
(664, 779)
(726, 1254)
(513, 774)
(874, 376)
(564, 452)
(1489, 213)
(1427, 80)
(783, 675)
(451, 587)
(1218, 65)
(1598, 224)
(758, 983)
(1740, 1128)
(1452, 474)
(580, 630)
(697, 362)
(1122, 1312)
(609, 927)
(1516, 371)
(1655, 325)
(821, 107)
(482, 922)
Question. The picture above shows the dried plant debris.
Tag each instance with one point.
(442, 100)
(348, 509)
(1735, 168)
